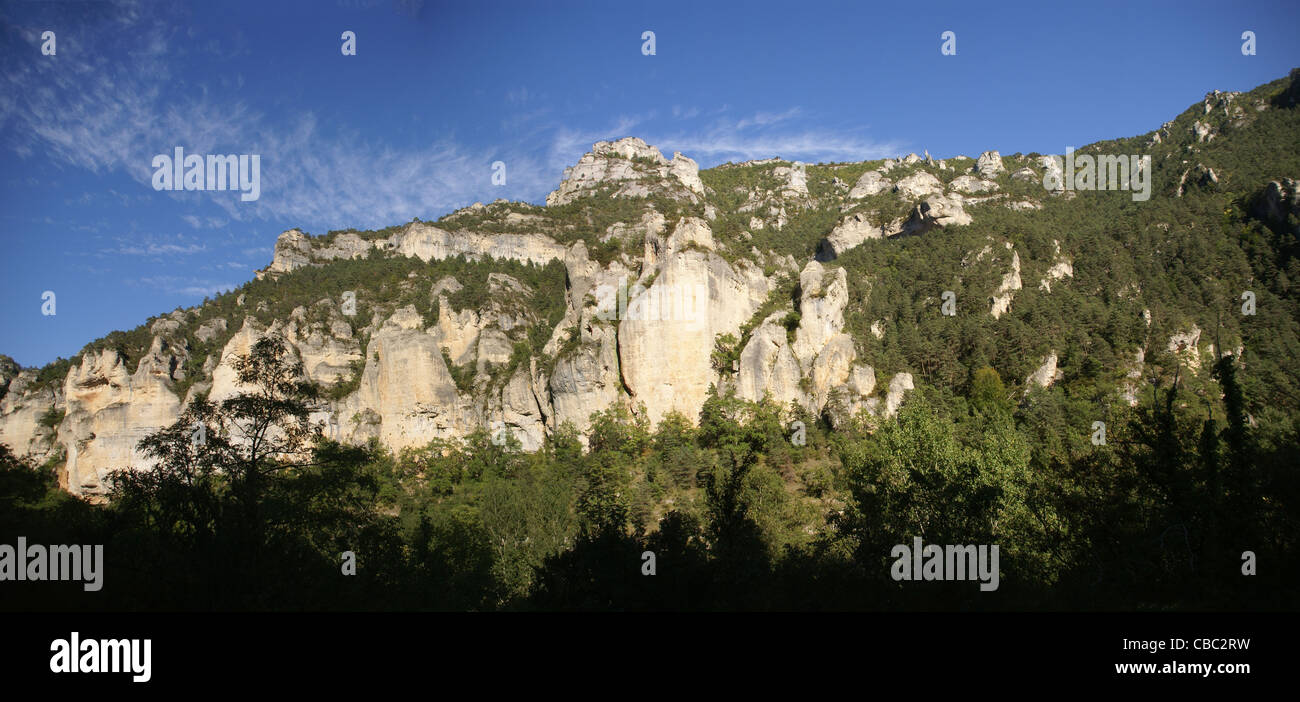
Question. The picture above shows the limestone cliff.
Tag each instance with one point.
(641, 300)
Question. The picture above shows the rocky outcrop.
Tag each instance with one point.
(24, 407)
(794, 181)
(871, 183)
(1186, 347)
(210, 330)
(849, 234)
(327, 352)
(918, 185)
(817, 369)
(651, 224)
(768, 366)
(405, 375)
(110, 409)
(666, 335)
(586, 375)
(938, 211)
(1129, 387)
(898, 387)
(632, 168)
(1045, 374)
(522, 414)
(823, 295)
(989, 165)
(1001, 301)
(293, 250)
(972, 185)
(427, 243)
(587, 379)
(411, 413)
(1053, 172)
(1061, 268)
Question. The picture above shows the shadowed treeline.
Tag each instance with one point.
(257, 515)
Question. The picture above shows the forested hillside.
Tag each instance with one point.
(1171, 323)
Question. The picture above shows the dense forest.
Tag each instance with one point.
(1156, 518)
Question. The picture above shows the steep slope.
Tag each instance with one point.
(645, 282)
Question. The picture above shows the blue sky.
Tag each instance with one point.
(438, 91)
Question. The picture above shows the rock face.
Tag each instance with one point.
(1061, 269)
(1129, 388)
(110, 409)
(850, 233)
(794, 181)
(1001, 301)
(666, 336)
(971, 184)
(1186, 346)
(292, 250)
(410, 412)
(898, 387)
(938, 211)
(431, 243)
(632, 167)
(1044, 375)
(989, 165)
(817, 370)
(871, 183)
(918, 185)
(407, 374)
(23, 405)
(651, 224)
(210, 330)
(1053, 172)
(768, 365)
(822, 299)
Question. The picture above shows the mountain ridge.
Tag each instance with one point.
(497, 316)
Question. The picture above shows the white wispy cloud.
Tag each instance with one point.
(763, 119)
(772, 135)
(106, 110)
(757, 136)
(203, 222)
(157, 249)
(183, 285)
